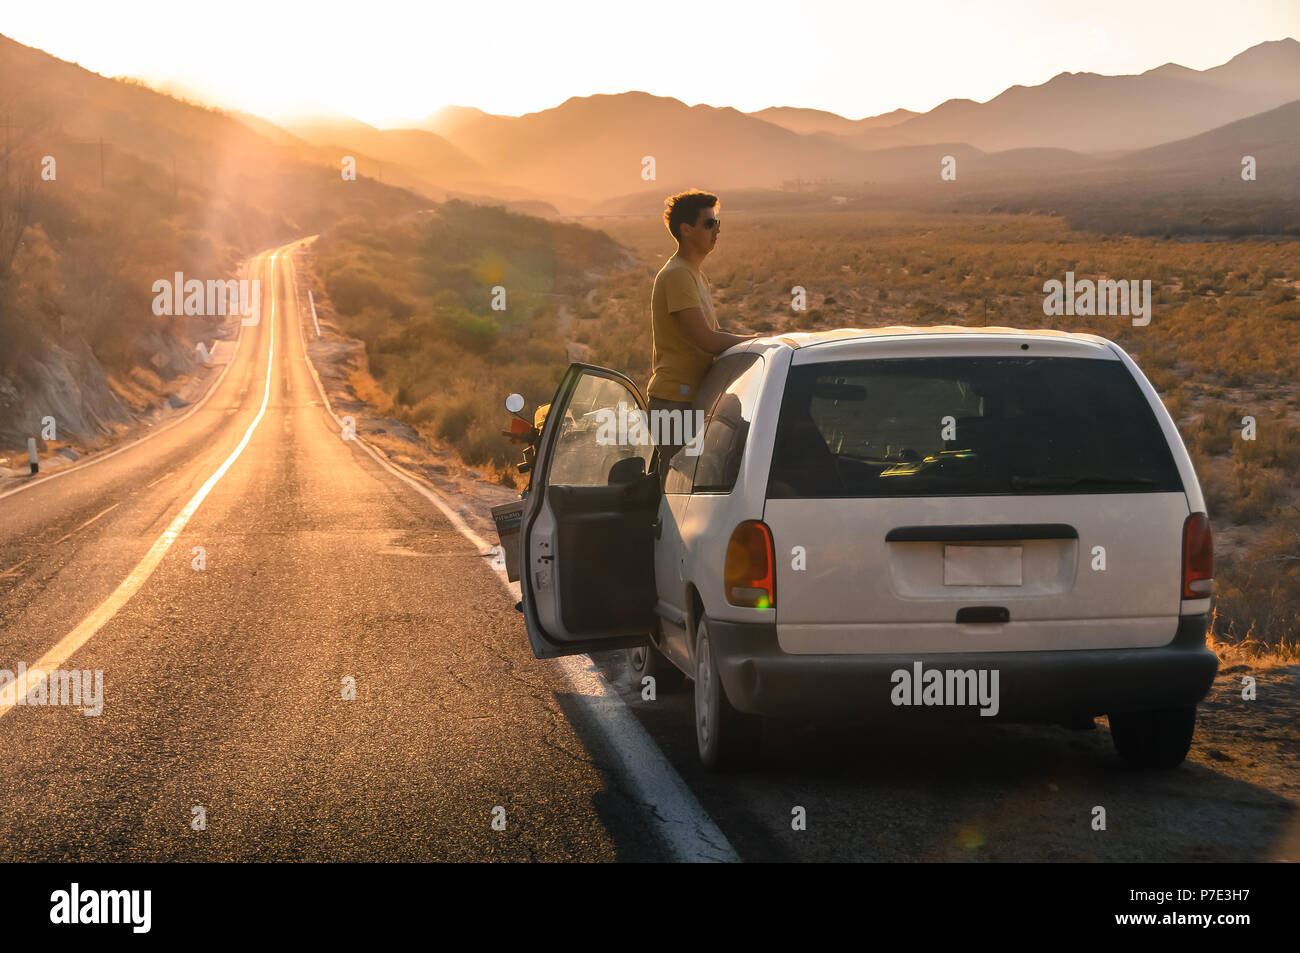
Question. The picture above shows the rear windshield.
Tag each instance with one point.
(946, 426)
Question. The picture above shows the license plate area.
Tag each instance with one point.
(983, 565)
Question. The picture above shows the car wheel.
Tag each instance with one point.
(1154, 739)
(646, 660)
(726, 738)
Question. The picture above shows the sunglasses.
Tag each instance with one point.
(710, 223)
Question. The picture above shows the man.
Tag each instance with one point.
(686, 336)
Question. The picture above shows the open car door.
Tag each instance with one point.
(587, 534)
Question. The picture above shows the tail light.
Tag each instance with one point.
(1198, 557)
(748, 575)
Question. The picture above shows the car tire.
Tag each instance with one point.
(1154, 739)
(646, 660)
(727, 739)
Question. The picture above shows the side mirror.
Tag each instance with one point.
(521, 431)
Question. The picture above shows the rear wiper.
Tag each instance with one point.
(1087, 479)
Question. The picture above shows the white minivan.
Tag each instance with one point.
(885, 523)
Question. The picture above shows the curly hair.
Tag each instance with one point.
(684, 207)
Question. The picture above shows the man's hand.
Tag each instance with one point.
(698, 332)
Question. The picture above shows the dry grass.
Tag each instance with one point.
(368, 391)
(1251, 651)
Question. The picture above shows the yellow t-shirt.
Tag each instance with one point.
(679, 365)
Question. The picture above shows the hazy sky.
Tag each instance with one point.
(382, 61)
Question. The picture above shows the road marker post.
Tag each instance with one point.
(312, 302)
(31, 455)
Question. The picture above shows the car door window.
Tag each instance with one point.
(681, 468)
(602, 425)
(726, 431)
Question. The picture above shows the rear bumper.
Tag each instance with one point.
(1031, 686)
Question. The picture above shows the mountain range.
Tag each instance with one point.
(1168, 126)
(592, 149)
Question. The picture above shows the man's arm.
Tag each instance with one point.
(698, 332)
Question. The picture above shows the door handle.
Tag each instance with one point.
(988, 615)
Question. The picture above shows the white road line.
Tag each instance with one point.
(63, 649)
(91, 461)
(678, 817)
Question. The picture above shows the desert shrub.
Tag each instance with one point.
(1279, 294)
(454, 421)
(476, 334)
(425, 410)
(483, 447)
(807, 320)
(1214, 432)
(1275, 445)
(1163, 380)
(1256, 492)
(368, 390)
(350, 291)
(1176, 403)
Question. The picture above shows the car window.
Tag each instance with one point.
(596, 432)
(681, 468)
(980, 425)
(726, 431)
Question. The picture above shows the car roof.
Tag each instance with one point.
(806, 339)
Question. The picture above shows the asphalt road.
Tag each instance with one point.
(223, 687)
(224, 691)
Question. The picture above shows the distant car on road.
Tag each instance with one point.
(880, 521)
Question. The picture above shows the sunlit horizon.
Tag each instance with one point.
(387, 65)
